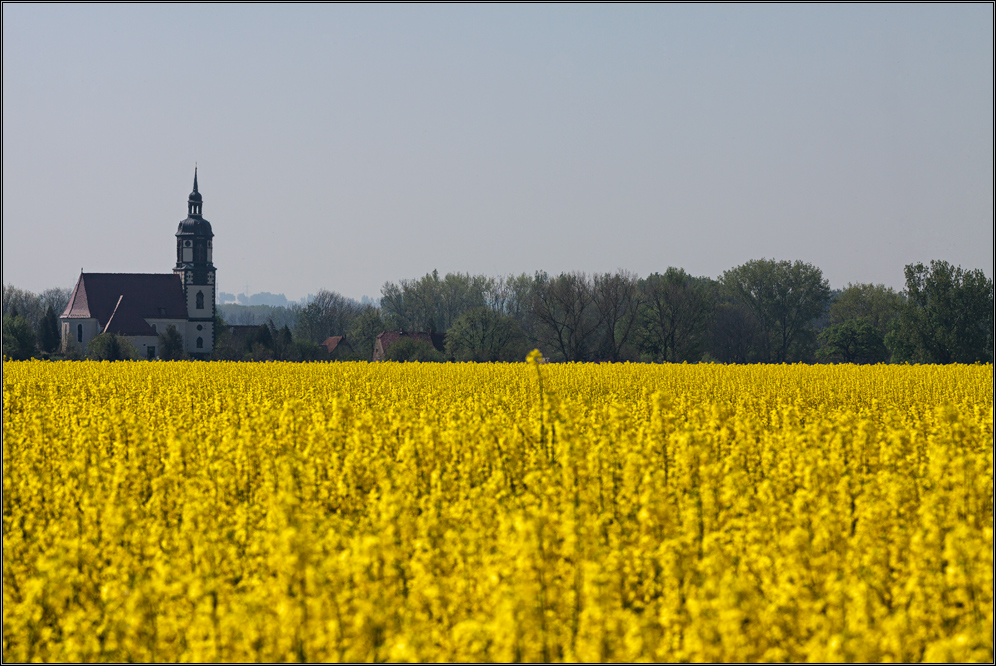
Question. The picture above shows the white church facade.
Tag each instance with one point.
(140, 306)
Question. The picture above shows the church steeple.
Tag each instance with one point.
(194, 202)
(195, 267)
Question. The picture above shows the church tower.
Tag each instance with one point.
(196, 271)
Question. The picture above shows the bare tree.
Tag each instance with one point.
(617, 298)
(329, 313)
(567, 315)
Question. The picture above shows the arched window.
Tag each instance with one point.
(79, 332)
(200, 300)
(200, 343)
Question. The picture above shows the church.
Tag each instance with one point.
(140, 306)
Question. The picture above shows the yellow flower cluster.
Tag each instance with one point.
(450, 512)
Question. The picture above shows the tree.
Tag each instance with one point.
(566, 314)
(18, 338)
(171, 344)
(733, 333)
(328, 313)
(18, 302)
(48, 331)
(852, 341)
(947, 317)
(110, 347)
(481, 334)
(363, 332)
(57, 298)
(431, 304)
(617, 298)
(672, 317)
(874, 303)
(784, 297)
(513, 295)
(410, 349)
(858, 320)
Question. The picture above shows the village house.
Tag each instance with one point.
(338, 347)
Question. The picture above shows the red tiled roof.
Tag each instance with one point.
(334, 341)
(146, 295)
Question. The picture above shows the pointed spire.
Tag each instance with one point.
(194, 202)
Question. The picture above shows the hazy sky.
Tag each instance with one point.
(343, 146)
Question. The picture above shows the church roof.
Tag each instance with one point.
(194, 224)
(126, 320)
(141, 295)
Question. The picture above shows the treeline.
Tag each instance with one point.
(763, 311)
(31, 322)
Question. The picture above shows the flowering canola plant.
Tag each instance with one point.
(496, 512)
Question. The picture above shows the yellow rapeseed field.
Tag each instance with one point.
(496, 512)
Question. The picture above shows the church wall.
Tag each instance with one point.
(142, 344)
(71, 332)
(162, 324)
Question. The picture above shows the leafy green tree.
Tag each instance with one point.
(409, 349)
(673, 316)
(18, 338)
(171, 344)
(363, 332)
(481, 334)
(283, 341)
(48, 331)
(852, 341)
(784, 297)
(859, 318)
(431, 303)
(947, 317)
(305, 350)
(110, 347)
(876, 304)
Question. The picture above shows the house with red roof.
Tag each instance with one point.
(338, 347)
(140, 306)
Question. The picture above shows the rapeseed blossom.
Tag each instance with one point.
(496, 512)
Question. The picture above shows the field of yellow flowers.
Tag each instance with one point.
(496, 512)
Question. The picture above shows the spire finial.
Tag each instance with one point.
(195, 176)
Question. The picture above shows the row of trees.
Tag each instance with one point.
(761, 311)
